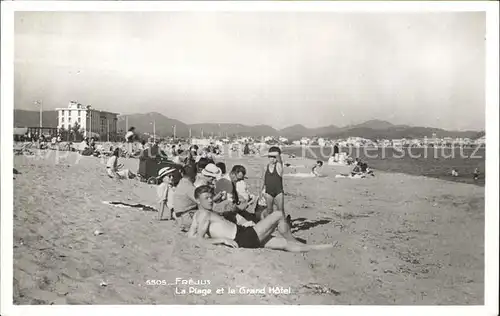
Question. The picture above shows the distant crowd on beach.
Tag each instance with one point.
(178, 153)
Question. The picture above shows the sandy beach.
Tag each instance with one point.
(400, 239)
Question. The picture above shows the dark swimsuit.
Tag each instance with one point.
(246, 237)
(274, 182)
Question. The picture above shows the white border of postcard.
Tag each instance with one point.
(492, 159)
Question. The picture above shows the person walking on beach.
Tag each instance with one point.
(336, 152)
(476, 174)
(130, 137)
(219, 230)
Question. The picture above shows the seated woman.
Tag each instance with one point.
(356, 173)
(115, 170)
(316, 170)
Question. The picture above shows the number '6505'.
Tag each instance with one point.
(156, 282)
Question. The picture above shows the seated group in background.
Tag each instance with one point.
(359, 170)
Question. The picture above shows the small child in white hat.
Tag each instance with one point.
(167, 177)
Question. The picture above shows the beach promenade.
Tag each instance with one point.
(400, 239)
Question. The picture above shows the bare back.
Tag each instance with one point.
(216, 226)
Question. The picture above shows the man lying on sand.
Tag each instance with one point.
(206, 223)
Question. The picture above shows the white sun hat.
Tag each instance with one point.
(164, 171)
(211, 170)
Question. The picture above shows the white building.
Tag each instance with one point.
(91, 121)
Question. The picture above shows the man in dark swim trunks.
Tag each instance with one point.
(215, 229)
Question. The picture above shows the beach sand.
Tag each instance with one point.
(400, 239)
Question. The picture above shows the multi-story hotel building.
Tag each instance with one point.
(92, 122)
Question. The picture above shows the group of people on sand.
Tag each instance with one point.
(216, 207)
(359, 170)
(475, 175)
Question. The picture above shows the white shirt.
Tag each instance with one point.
(165, 194)
(177, 159)
(199, 181)
(111, 163)
(83, 145)
(242, 190)
(129, 135)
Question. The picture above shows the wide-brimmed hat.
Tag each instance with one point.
(211, 170)
(164, 171)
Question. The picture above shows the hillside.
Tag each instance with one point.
(232, 129)
(373, 129)
(144, 124)
(295, 131)
(375, 125)
(23, 118)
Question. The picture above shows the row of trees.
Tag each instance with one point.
(76, 134)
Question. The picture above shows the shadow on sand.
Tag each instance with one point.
(302, 223)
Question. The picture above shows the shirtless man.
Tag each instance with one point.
(217, 230)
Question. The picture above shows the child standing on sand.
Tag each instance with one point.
(168, 178)
(476, 174)
(273, 187)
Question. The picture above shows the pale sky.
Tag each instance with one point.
(279, 69)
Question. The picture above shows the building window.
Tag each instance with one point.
(62, 118)
(69, 119)
(79, 120)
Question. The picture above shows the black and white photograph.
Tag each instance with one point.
(250, 154)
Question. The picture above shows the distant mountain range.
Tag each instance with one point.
(373, 129)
